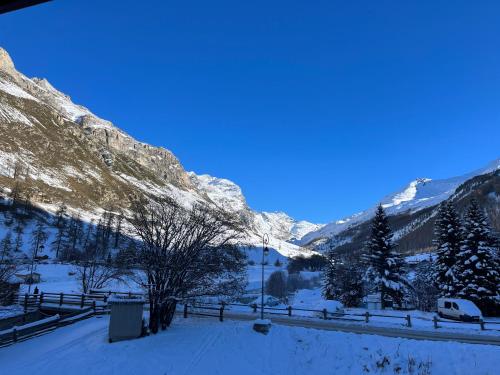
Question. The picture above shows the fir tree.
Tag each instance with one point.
(343, 280)
(38, 237)
(59, 217)
(448, 233)
(59, 238)
(477, 269)
(384, 264)
(6, 247)
(126, 256)
(425, 291)
(18, 243)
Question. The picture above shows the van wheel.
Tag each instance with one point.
(440, 314)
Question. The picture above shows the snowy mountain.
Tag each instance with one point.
(228, 195)
(58, 151)
(417, 195)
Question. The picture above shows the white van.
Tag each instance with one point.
(460, 309)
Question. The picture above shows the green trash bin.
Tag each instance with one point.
(126, 317)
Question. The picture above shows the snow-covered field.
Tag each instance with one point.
(205, 346)
(57, 278)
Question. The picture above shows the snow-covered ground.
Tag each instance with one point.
(205, 346)
(58, 278)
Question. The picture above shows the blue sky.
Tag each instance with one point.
(316, 108)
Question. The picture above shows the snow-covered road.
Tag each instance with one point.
(408, 333)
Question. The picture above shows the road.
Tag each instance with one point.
(362, 328)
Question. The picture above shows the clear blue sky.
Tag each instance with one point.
(317, 108)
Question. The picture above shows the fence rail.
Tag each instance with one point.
(96, 303)
(40, 327)
(328, 315)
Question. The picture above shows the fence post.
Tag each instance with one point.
(254, 307)
(26, 303)
(82, 303)
(221, 313)
(61, 298)
(93, 306)
(408, 320)
(14, 334)
(435, 322)
(41, 298)
(367, 317)
(289, 310)
(325, 314)
(185, 310)
(481, 323)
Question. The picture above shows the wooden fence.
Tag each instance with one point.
(41, 327)
(96, 303)
(197, 308)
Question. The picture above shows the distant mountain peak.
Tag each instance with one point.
(417, 195)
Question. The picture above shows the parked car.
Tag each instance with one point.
(460, 309)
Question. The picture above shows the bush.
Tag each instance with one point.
(294, 282)
(276, 285)
(278, 263)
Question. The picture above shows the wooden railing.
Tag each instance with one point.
(41, 327)
(196, 308)
(96, 302)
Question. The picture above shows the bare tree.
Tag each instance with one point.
(186, 254)
(92, 269)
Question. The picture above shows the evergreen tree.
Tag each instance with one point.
(425, 291)
(126, 256)
(59, 217)
(118, 230)
(343, 280)
(19, 230)
(60, 223)
(59, 238)
(72, 238)
(477, 268)
(6, 247)
(38, 237)
(448, 233)
(384, 264)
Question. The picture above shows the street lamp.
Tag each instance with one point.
(265, 252)
(35, 254)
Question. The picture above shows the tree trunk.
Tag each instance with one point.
(154, 317)
(167, 313)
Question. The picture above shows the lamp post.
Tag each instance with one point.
(35, 254)
(265, 251)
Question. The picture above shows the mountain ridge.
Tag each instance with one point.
(99, 166)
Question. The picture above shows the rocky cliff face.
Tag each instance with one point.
(58, 151)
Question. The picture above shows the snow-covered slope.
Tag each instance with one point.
(281, 228)
(68, 154)
(417, 195)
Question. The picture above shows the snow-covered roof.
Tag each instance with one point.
(115, 299)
